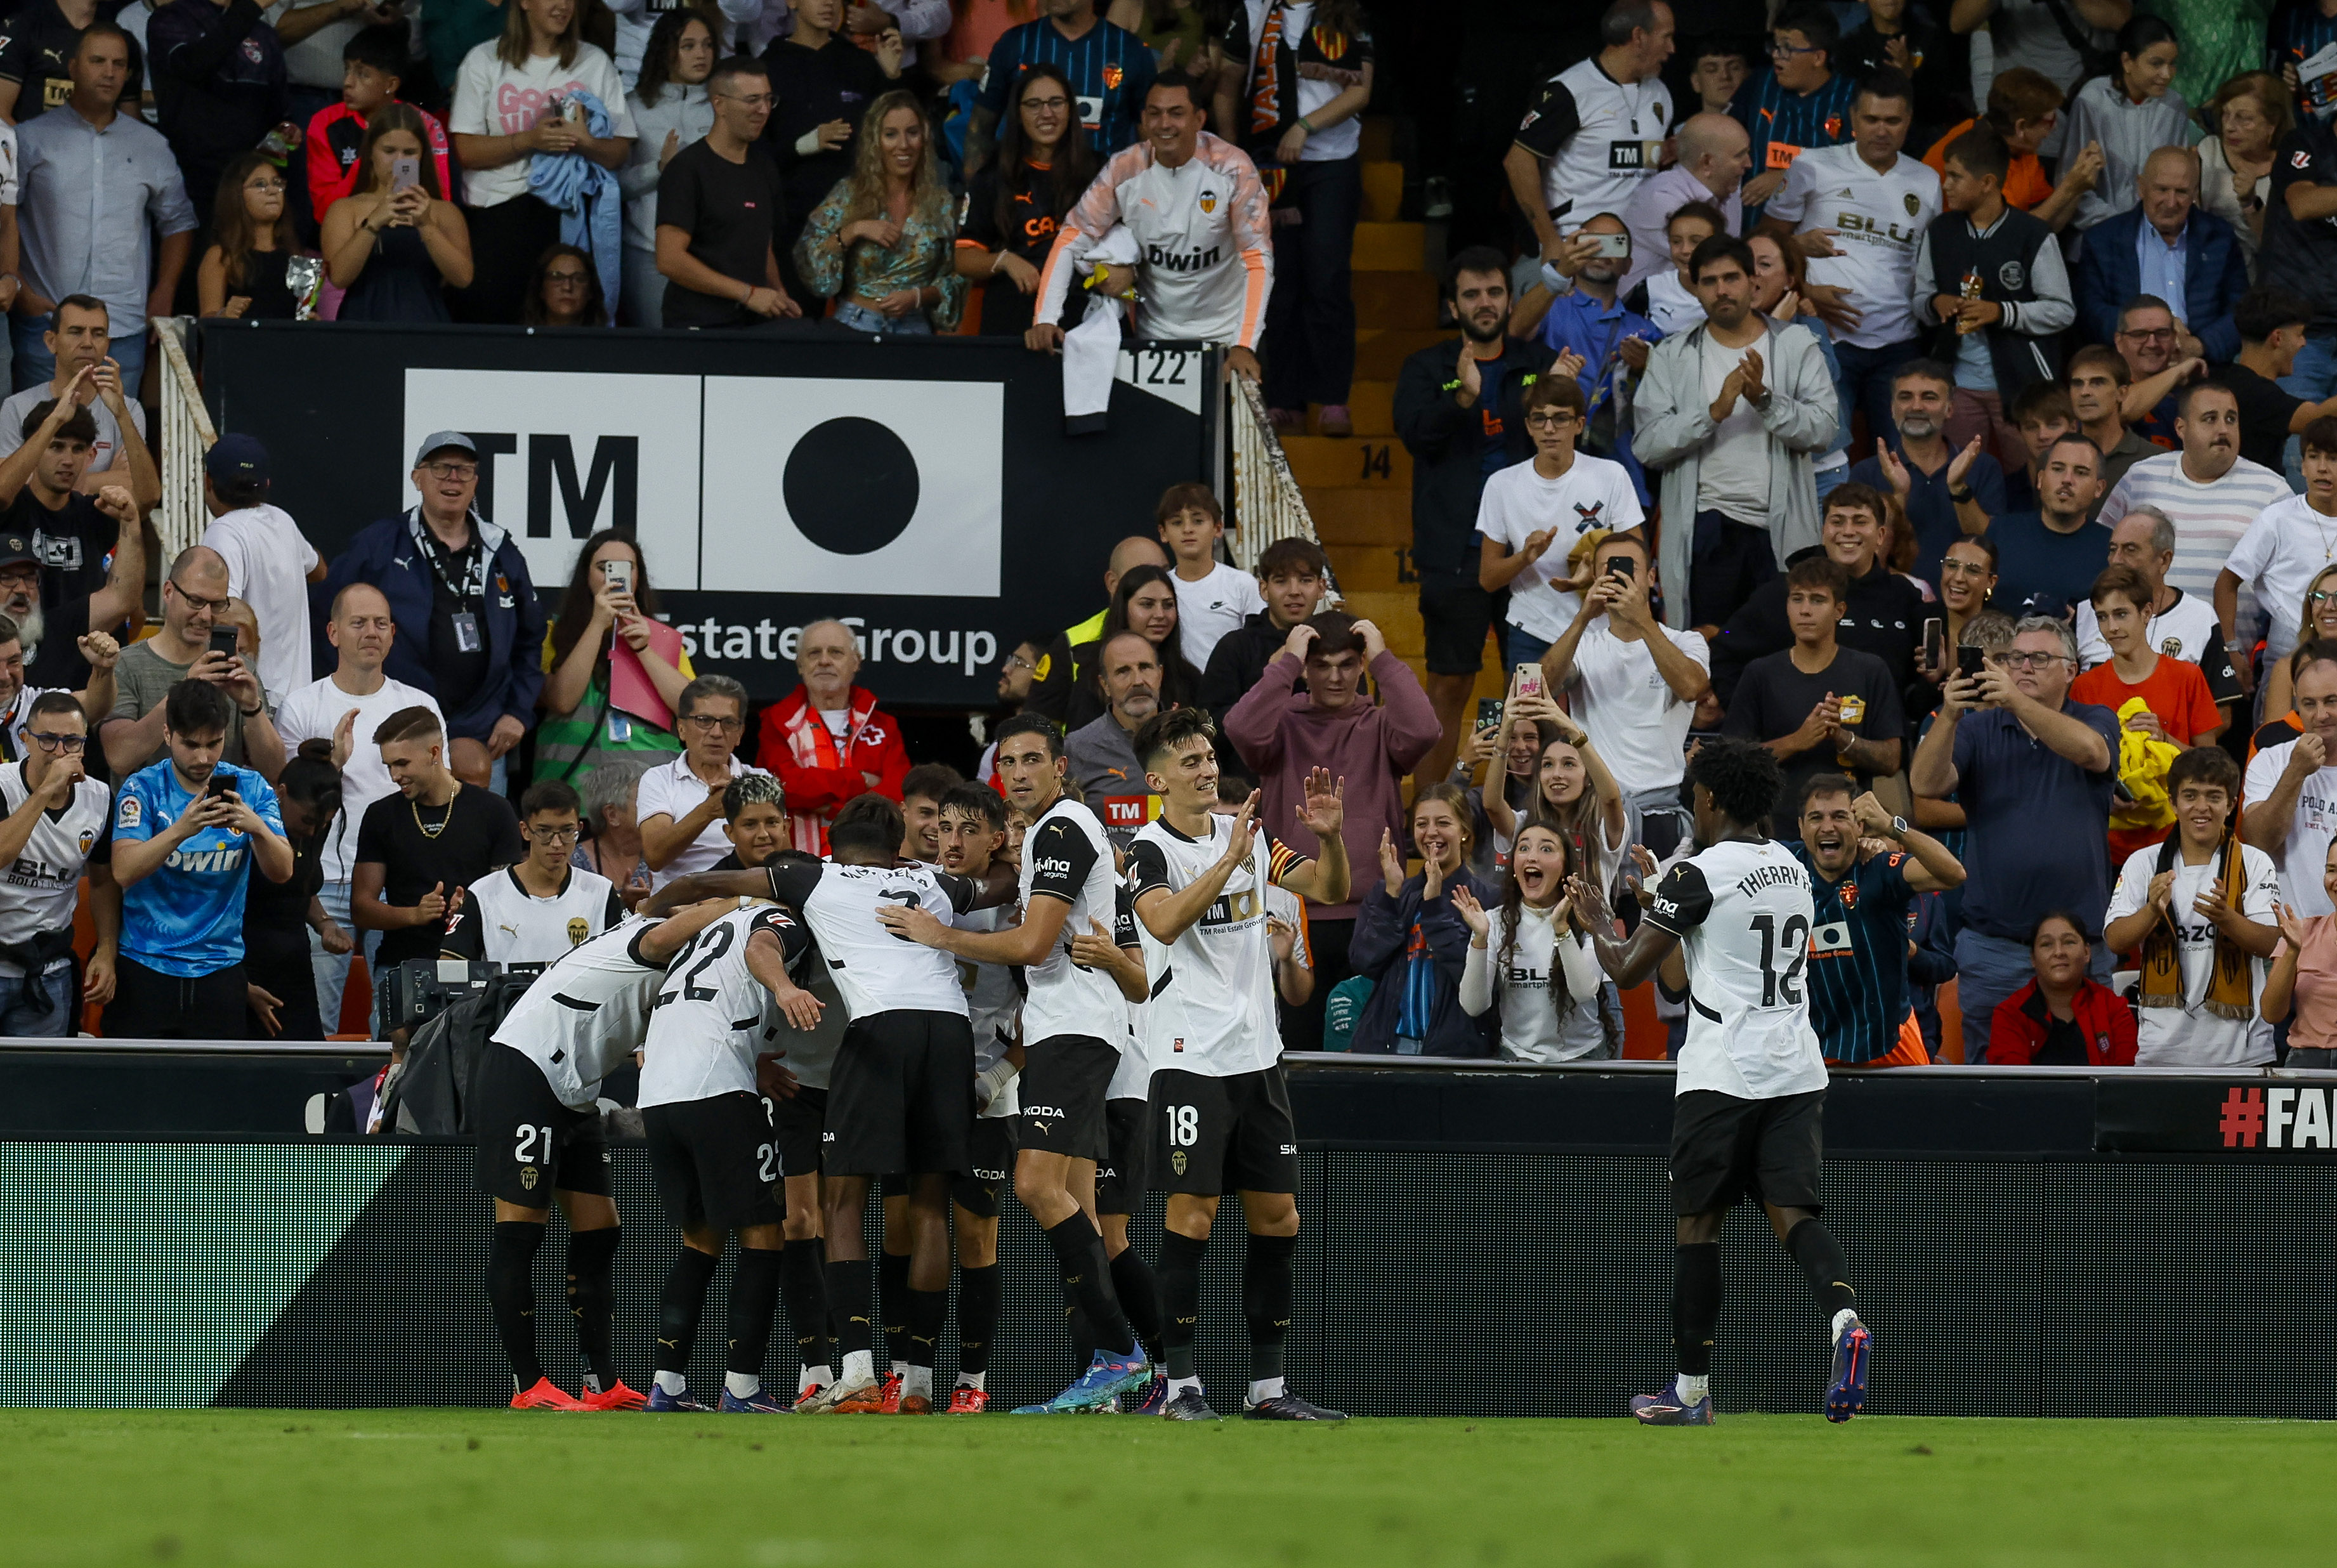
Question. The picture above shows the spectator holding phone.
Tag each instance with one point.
(395, 243)
(375, 66)
(194, 644)
(608, 601)
(73, 529)
(187, 832)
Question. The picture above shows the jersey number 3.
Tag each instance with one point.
(1796, 944)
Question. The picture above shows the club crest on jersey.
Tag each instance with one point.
(1850, 895)
(2012, 275)
(1834, 125)
(578, 930)
(1208, 201)
(88, 837)
(1113, 76)
(2300, 160)
(1914, 204)
(527, 1177)
(2172, 648)
(1176, 1161)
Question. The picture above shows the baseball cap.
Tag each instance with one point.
(15, 547)
(439, 440)
(235, 456)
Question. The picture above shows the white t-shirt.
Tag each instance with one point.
(1532, 1028)
(2190, 1035)
(2210, 520)
(1670, 305)
(1593, 493)
(492, 99)
(1635, 720)
(1732, 474)
(1878, 222)
(1743, 912)
(2279, 556)
(1341, 141)
(672, 789)
(312, 713)
(1207, 610)
(2305, 851)
(15, 410)
(267, 565)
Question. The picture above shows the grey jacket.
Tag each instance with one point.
(1103, 764)
(1673, 421)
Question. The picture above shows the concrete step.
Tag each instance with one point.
(1389, 247)
(1379, 137)
(1366, 516)
(1380, 352)
(1372, 405)
(1371, 568)
(1382, 191)
(1395, 299)
(1397, 615)
(1364, 462)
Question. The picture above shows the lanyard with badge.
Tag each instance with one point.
(465, 621)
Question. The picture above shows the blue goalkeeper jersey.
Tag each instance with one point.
(1110, 70)
(1784, 125)
(186, 918)
(1858, 956)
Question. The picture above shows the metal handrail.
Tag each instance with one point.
(187, 436)
(1268, 504)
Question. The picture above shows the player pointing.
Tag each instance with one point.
(1749, 1112)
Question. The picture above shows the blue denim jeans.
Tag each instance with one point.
(860, 318)
(34, 1006)
(1990, 969)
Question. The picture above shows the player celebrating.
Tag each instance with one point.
(1220, 1109)
(1749, 1112)
(711, 1149)
(534, 1101)
(1074, 1020)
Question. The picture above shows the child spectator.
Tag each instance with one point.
(242, 274)
(1212, 598)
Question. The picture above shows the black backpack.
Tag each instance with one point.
(432, 1094)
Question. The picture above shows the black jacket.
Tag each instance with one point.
(1448, 445)
(219, 85)
(814, 86)
(1237, 662)
(1884, 617)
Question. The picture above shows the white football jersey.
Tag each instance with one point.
(1618, 141)
(1743, 912)
(876, 971)
(993, 997)
(1212, 1006)
(588, 1012)
(503, 923)
(811, 1057)
(1065, 856)
(1133, 1077)
(42, 884)
(713, 1017)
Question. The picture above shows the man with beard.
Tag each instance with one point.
(1102, 754)
(2047, 560)
(19, 572)
(1946, 493)
(1457, 411)
(2213, 493)
(1858, 936)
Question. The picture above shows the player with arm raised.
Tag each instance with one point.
(535, 1102)
(1073, 1021)
(1220, 1110)
(1750, 1105)
(726, 1008)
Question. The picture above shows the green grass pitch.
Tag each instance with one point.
(416, 1487)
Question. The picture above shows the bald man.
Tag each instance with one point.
(2168, 248)
(1051, 687)
(194, 594)
(1714, 154)
(826, 740)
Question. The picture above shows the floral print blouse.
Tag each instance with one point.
(927, 257)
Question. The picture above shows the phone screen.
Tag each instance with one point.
(1935, 643)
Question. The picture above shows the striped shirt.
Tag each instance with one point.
(2210, 520)
(1782, 123)
(1109, 69)
(1858, 956)
(2298, 32)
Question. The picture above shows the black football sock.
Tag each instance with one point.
(1180, 1298)
(1821, 1257)
(593, 1302)
(1695, 1304)
(892, 1293)
(1075, 1324)
(848, 1283)
(510, 1293)
(807, 1301)
(1139, 1298)
(1079, 1252)
(679, 1305)
(927, 1310)
(979, 1302)
(1269, 1298)
(754, 1303)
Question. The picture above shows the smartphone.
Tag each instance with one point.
(219, 785)
(1613, 245)
(405, 173)
(1971, 661)
(1488, 713)
(618, 574)
(223, 640)
(1527, 681)
(1622, 566)
(1935, 643)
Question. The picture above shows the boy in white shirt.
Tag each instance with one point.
(1532, 513)
(1212, 598)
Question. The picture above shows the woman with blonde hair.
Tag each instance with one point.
(2316, 621)
(883, 244)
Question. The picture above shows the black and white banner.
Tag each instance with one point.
(921, 491)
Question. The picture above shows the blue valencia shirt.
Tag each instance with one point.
(187, 918)
(1110, 70)
(1858, 956)
(1784, 125)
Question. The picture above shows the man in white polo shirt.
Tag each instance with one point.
(679, 803)
(1859, 213)
(2280, 555)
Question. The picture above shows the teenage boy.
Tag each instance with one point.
(1213, 598)
(1532, 513)
(533, 911)
(1718, 69)
(1817, 706)
(2042, 415)
(2271, 324)
(79, 339)
(2178, 709)
(43, 498)
(2281, 554)
(923, 789)
(1295, 575)
(373, 69)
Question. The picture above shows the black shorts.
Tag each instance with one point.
(1064, 1080)
(149, 1005)
(530, 1144)
(1120, 1180)
(1455, 614)
(1215, 1136)
(1724, 1149)
(901, 1095)
(715, 1161)
(989, 1154)
(797, 1123)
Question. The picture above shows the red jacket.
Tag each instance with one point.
(2017, 1032)
(819, 773)
(334, 133)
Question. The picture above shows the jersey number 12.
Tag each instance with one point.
(1797, 942)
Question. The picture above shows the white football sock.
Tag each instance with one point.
(1841, 1323)
(814, 1378)
(859, 1367)
(742, 1385)
(1692, 1390)
(677, 1384)
(899, 1368)
(1179, 1384)
(1262, 1389)
(972, 1381)
(917, 1380)
(591, 1384)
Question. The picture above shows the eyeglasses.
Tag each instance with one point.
(1779, 46)
(67, 743)
(1056, 102)
(277, 186)
(2150, 334)
(28, 574)
(708, 723)
(1016, 661)
(1549, 419)
(451, 470)
(566, 835)
(196, 600)
(1962, 569)
(2320, 596)
(564, 279)
(2030, 660)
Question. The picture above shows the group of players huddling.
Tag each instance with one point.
(806, 1026)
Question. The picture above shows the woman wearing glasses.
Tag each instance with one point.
(242, 274)
(679, 804)
(609, 602)
(2319, 619)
